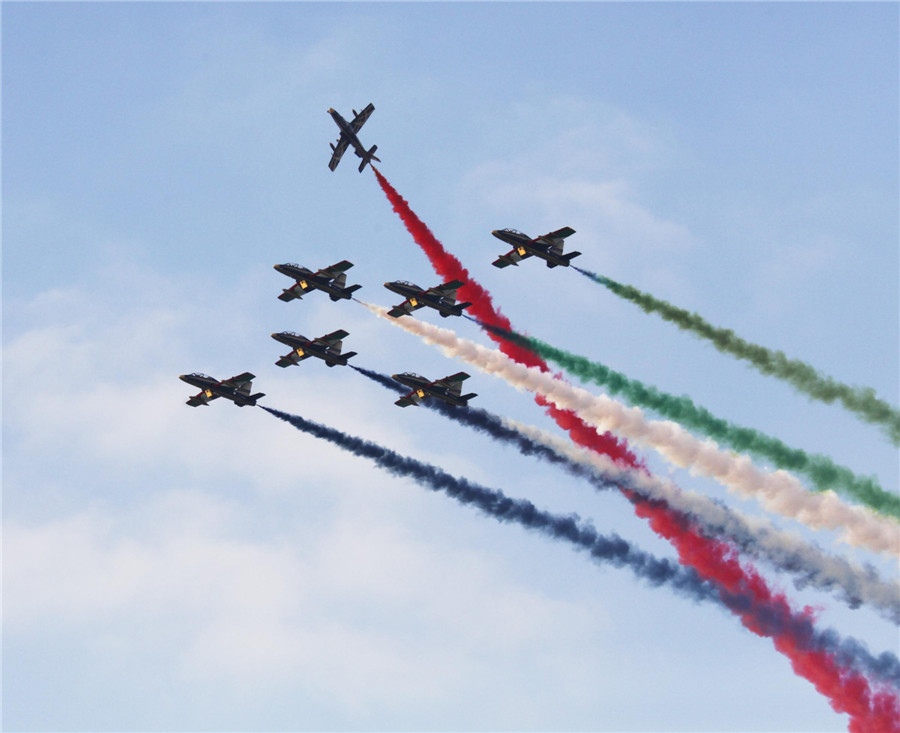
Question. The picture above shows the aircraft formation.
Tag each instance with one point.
(332, 280)
(709, 537)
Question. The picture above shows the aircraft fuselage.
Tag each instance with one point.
(303, 348)
(307, 281)
(422, 389)
(417, 296)
(348, 131)
(525, 246)
(212, 388)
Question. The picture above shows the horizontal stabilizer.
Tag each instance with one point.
(465, 398)
(349, 354)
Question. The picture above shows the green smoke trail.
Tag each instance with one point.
(862, 401)
(819, 469)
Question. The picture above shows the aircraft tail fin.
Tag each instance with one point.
(466, 397)
(288, 295)
(369, 157)
(349, 354)
(569, 256)
(251, 400)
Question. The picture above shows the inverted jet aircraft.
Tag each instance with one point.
(446, 389)
(236, 389)
(327, 348)
(441, 297)
(548, 247)
(331, 280)
(348, 137)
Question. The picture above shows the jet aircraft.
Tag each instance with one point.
(441, 297)
(548, 247)
(348, 137)
(327, 348)
(331, 280)
(446, 389)
(236, 389)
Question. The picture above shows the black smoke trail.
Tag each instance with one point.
(808, 564)
(773, 619)
(491, 425)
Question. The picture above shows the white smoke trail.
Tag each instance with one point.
(778, 491)
(757, 537)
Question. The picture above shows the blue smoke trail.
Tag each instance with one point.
(772, 618)
(809, 565)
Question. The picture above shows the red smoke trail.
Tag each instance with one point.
(847, 690)
(482, 308)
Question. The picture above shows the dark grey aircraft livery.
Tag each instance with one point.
(348, 137)
(441, 297)
(446, 389)
(331, 280)
(236, 389)
(327, 348)
(549, 247)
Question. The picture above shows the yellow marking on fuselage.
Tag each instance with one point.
(299, 352)
(521, 250)
(420, 392)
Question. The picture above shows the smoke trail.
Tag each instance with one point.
(862, 401)
(779, 491)
(821, 470)
(482, 308)
(713, 559)
(756, 537)
(485, 422)
(820, 657)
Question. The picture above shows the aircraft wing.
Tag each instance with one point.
(448, 290)
(360, 119)
(555, 238)
(239, 381)
(333, 337)
(453, 383)
(335, 270)
(338, 151)
(405, 402)
(512, 257)
(198, 399)
(406, 307)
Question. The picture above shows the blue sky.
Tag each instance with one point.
(214, 569)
